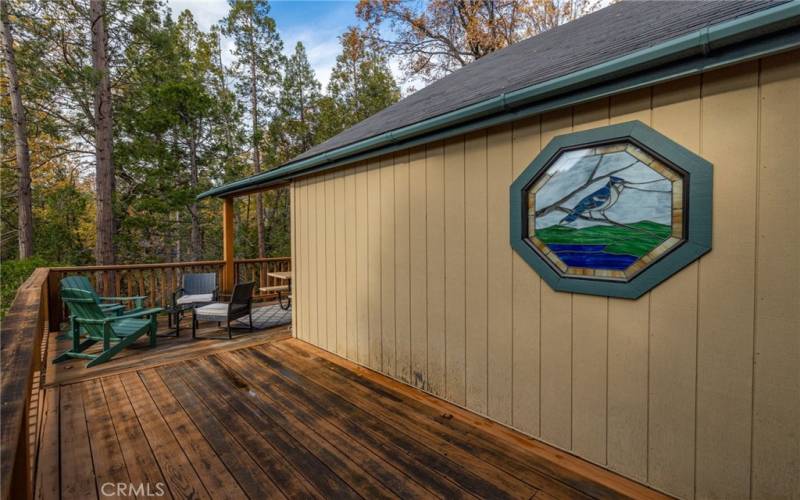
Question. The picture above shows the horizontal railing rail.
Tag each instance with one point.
(158, 281)
(258, 271)
(21, 357)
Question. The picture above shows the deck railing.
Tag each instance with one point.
(38, 306)
(21, 357)
(158, 282)
(258, 270)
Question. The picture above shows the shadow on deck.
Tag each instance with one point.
(269, 416)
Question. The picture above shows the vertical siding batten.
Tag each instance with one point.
(726, 297)
(418, 253)
(476, 280)
(590, 340)
(293, 243)
(499, 258)
(313, 260)
(387, 229)
(672, 357)
(374, 264)
(331, 311)
(776, 384)
(556, 334)
(526, 294)
(341, 264)
(628, 333)
(305, 286)
(321, 258)
(351, 279)
(362, 255)
(455, 271)
(434, 174)
(403, 266)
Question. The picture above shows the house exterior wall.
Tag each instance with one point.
(403, 264)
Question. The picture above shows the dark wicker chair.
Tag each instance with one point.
(240, 305)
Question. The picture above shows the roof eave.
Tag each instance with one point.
(698, 43)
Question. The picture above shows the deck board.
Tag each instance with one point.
(269, 416)
(209, 467)
(168, 349)
(245, 469)
(354, 431)
(143, 468)
(395, 479)
(177, 470)
(77, 467)
(429, 426)
(267, 444)
(47, 472)
(434, 452)
(109, 465)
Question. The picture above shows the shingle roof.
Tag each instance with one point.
(620, 29)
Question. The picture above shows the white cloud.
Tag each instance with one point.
(320, 35)
(205, 12)
(322, 47)
(322, 43)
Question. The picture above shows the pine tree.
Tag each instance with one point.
(174, 136)
(294, 127)
(24, 207)
(258, 49)
(103, 123)
(291, 132)
(361, 84)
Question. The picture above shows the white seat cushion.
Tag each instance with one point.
(195, 299)
(212, 312)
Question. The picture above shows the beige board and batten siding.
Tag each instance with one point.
(404, 265)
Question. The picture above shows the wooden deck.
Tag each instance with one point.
(268, 416)
(210, 339)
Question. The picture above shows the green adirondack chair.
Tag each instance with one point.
(114, 308)
(116, 332)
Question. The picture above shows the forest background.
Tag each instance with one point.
(115, 114)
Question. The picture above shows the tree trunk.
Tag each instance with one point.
(197, 239)
(25, 214)
(104, 178)
(223, 86)
(178, 255)
(262, 249)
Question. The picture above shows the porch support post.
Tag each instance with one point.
(227, 245)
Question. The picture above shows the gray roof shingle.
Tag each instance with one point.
(609, 33)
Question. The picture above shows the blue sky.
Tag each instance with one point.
(315, 23)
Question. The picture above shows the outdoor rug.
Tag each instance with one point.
(268, 317)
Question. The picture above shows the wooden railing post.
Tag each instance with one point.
(55, 312)
(227, 245)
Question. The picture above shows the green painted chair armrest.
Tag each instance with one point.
(138, 314)
(111, 319)
(135, 297)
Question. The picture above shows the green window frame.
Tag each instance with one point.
(695, 215)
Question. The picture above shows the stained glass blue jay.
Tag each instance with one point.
(599, 201)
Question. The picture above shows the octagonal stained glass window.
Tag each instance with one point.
(606, 211)
(612, 211)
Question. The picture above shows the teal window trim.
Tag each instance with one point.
(699, 184)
